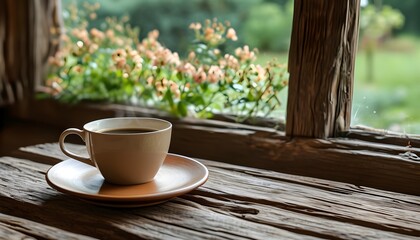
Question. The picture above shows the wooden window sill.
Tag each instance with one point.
(372, 159)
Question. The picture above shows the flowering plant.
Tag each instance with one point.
(112, 64)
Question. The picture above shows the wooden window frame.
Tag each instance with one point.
(316, 142)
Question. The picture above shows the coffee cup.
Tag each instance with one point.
(127, 150)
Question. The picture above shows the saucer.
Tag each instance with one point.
(178, 175)
(124, 204)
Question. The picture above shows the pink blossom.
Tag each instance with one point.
(97, 34)
(153, 35)
(200, 75)
(229, 61)
(245, 54)
(231, 34)
(187, 68)
(215, 74)
(195, 26)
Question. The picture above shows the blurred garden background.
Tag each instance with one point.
(387, 90)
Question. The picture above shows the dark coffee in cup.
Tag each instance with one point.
(128, 130)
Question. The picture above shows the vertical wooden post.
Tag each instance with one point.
(321, 65)
(29, 32)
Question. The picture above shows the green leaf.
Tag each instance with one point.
(198, 100)
(147, 93)
(251, 97)
(179, 76)
(168, 97)
(204, 86)
(182, 109)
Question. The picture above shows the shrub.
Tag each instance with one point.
(113, 65)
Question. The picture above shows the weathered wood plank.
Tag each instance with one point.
(297, 221)
(45, 111)
(52, 150)
(321, 66)
(9, 233)
(26, 43)
(302, 205)
(19, 228)
(337, 144)
(345, 203)
(352, 161)
(5, 231)
(331, 160)
(338, 187)
(384, 137)
(23, 190)
(389, 165)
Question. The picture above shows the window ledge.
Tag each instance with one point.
(362, 158)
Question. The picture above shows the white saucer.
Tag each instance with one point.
(178, 175)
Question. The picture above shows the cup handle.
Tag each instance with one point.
(81, 134)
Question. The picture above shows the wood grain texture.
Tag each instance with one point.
(386, 166)
(19, 228)
(321, 66)
(236, 203)
(382, 161)
(166, 221)
(383, 137)
(26, 41)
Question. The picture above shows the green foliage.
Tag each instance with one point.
(171, 17)
(268, 27)
(410, 10)
(391, 102)
(376, 23)
(111, 64)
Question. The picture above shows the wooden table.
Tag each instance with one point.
(235, 203)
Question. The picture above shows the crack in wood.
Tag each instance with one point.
(218, 233)
(230, 208)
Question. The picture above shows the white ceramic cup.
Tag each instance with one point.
(123, 158)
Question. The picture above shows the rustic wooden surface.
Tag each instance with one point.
(375, 160)
(236, 203)
(321, 66)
